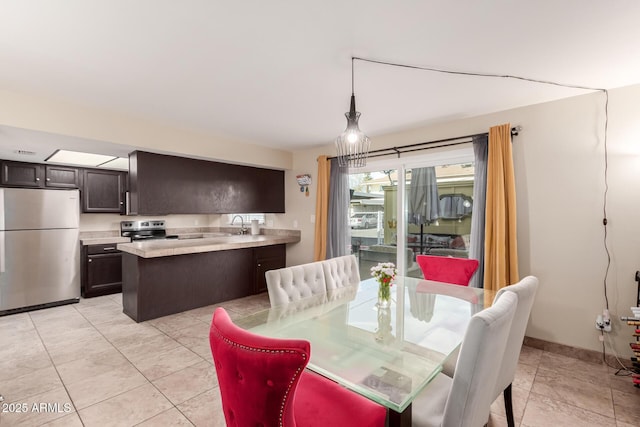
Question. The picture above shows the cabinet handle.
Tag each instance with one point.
(110, 248)
(48, 179)
(259, 265)
(90, 260)
(37, 179)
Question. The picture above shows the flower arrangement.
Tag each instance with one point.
(384, 273)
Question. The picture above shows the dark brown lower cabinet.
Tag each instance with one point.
(156, 287)
(101, 271)
(267, 258)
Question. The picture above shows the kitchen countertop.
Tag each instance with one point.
(184, 246)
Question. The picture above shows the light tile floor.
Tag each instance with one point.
(89, 364)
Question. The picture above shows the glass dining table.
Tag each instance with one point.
(387, 355)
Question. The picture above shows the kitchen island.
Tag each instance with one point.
(162, 277)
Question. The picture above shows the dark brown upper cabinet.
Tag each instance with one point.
(62, 177)
(20, 174)
(103, 191)
(161, 184)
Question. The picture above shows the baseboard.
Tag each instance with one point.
(585, 355)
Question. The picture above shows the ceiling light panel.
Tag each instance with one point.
(117, 163)
(79, 158)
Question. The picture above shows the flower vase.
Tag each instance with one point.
(383, 333)
(384, 294)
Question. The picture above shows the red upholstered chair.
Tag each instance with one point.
(447, 269)
(263, 381)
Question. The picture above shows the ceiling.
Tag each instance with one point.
(278, 73)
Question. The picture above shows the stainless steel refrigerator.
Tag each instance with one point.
(39, 248)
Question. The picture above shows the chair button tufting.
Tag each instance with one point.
(270, 383)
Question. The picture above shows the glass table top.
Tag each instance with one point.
(388, 355)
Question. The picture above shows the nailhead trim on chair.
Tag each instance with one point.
(264, 350)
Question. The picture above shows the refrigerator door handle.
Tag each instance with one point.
(2, 252)
(2, 209)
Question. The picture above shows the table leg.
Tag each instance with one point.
(400, 419)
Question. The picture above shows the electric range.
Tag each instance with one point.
(144, 230)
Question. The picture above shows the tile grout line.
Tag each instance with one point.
(35, 327)
(162, 332)
(565, 402)
(128, 360)
(526, 403)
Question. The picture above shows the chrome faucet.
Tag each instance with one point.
(243, 230)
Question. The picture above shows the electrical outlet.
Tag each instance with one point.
(599, 323)
(603, 323)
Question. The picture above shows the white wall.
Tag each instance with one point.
(111, 222)
(559, 167)
(300, 209)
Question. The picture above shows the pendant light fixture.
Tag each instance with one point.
(352, 145)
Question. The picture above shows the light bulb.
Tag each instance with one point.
(352, 145)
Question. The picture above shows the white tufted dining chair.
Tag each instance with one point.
(292, 284)
(526, 290)
(463, 401)
(340, 274)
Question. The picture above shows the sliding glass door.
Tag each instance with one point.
(439, 205)
(401, 208)
(372, 212)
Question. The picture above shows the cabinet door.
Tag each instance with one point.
(61, 177)
(103, 191)
(267, 258)
(22, 174)
(104, 274)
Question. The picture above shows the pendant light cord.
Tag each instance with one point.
(467, 73)
(352, 79)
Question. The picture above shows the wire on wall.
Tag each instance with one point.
(606, 191)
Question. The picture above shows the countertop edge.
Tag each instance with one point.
(164, 248)
(103, 240)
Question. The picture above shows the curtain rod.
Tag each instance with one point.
(430, 144)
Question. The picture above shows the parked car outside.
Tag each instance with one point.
(364, 220)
